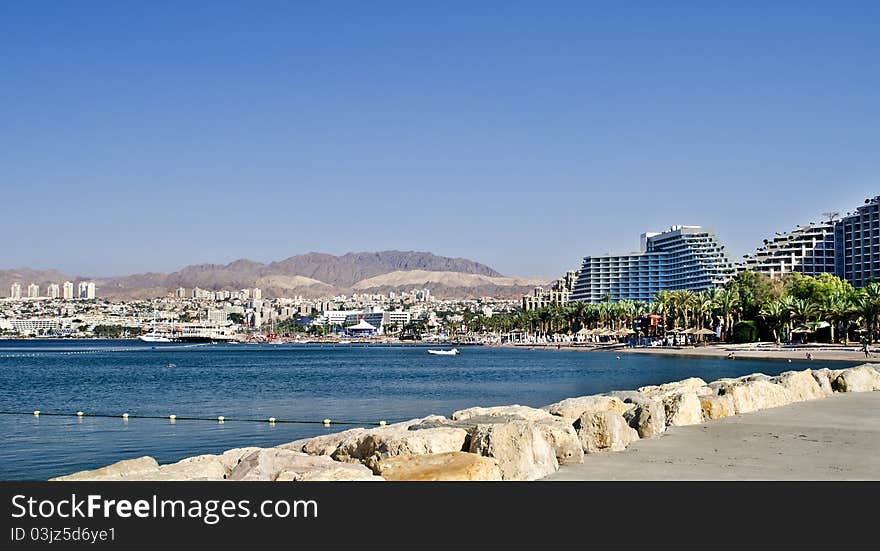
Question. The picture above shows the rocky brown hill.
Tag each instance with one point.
(311, 274)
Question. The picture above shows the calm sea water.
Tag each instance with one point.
(288, 381)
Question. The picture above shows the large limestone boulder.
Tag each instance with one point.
(605, 431)
(121, 470)
(439, 466)
(286, 465)
(574, 408)
(374, 444)
(823, 379)
(562, 437)
(523, 412)
(862, 378)
(756, 395)
(558, 431)
(691, 384)
(647, 416)
(200, 467)
(325, 444)
(683, 409)
(802, 385)
(717, 407)
(518, 446)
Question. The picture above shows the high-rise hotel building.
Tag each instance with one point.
(848, 248)
(808, 250)
(681, 258)
(857, 241)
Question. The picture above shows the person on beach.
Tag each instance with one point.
(867, 350)
(809, 355)
(731, 356)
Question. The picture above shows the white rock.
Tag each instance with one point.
(560, 434)
(286, 465)
(648, 417)
(374, 444)
(325, 444)
(691, 384)
(523, 412)
(605, 431)
(683, 409)
(823, 380)
(757, 395)
(574, 408)
(519, 447)
(121, 470)
(862, 378)
(802, 385)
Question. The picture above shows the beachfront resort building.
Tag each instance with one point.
(33, 290)
(67, 290)
(558, 293)
(848, 247)
(857, 240)
(53, 290)
(808, 250)
(687, 258)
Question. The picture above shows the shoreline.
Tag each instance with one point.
(515, 442)
(758, 351)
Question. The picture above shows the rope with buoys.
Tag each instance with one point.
(173, 418)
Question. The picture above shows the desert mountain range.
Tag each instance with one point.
(310, 275)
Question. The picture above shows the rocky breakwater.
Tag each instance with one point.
(503, 442)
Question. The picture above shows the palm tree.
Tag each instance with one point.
(663, 302)
(774, 312)
(869, 307)
(703, 305)
(727, 303)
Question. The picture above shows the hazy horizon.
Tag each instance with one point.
(523, 137)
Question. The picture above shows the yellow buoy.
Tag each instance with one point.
(271, 420)
(79, 414)
(221, 419)
(172, 417)
(382, 423)
(326, 422)
(125, 416)
(37, 413)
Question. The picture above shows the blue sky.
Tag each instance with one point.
(139, 136)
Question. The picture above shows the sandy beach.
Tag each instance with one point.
(836, 438)
(852, 353)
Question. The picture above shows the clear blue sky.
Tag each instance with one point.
(140, 136)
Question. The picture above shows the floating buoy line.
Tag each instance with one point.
(174, 418)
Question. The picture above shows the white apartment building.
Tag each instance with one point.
(808, 250)
(398, 318)
(34, 326)
(217, 317)
(86, 289)
(15, 291)
(180, 292)
(33, 290)
(257, 294)
(67, 290)
(53, 290)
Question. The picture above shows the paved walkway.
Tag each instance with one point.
(836, 438)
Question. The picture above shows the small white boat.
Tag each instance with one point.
(154, 337)
(452, 352)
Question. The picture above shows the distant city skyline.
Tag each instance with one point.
(524, 138)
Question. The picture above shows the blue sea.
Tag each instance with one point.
(306, 382)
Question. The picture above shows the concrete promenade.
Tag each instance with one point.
(835, 438)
